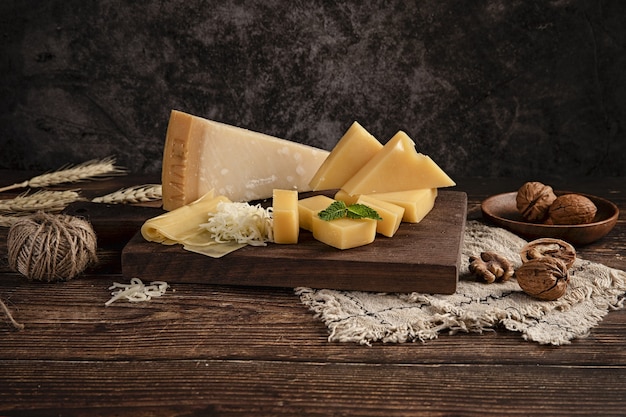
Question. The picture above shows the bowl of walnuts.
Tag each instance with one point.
(536, 211)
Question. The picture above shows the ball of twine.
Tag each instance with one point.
(51, 247)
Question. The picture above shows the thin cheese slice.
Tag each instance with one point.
(285, 216)
(397, 167)
(182, 225)
(309, 207)
(354, 149)
(391, 214)
(243, 165)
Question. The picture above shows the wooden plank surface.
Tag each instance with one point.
(219, 350)
(242, 388)
(421, 257)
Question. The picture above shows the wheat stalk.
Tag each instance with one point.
(136, 194)
(72, 173)
(44, 200)
(8, 220)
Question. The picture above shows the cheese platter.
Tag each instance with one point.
(421, 257)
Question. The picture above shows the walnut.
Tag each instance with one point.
(545, 279)
(572, 209)
(533, 201)
(491, 266)
(549, 248)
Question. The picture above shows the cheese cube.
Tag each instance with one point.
(391, 214)
(344, 233)
(397, 167)
(285, 215)
(354, 149)
(202, 155)
(417, 203)
(309, 207)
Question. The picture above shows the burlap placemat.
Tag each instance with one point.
(363, 317)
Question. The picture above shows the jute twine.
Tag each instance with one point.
(51, 247)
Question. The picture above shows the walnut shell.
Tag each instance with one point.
(533, 201)
(572, 209)
(549, 248)
(491, 266)
(544, 279)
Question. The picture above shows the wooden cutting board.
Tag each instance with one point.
(421, 257)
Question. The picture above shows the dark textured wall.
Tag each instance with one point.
(487, 88)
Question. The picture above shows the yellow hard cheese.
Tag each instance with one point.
(243, 165)
(341, 195)
(182, 224)
(354, 149)
(309, 207)
(344, 233)
(416, 203)
(285, 215)
(391, 214)
(397, 167)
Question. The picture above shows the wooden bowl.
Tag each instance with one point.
(501, 209)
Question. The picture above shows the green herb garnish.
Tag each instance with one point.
(339, 210)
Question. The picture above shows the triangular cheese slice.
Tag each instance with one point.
(201, 155)
(354, 149)
(397, 167)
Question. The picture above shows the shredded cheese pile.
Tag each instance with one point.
(240, 222)
(136, 291)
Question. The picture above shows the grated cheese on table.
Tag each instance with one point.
(136, 291)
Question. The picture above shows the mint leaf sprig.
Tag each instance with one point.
(339, 210)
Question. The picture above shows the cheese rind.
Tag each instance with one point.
(344, 233)
(391, 214)
(397, 167)
(200, 155)
(309, 207)
(354, 149)
(285, 215)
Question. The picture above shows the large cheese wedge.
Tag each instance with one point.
(354, 149)
(397, 167)
(240, 164)
(285, 216)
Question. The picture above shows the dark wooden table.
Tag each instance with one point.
(223, 351)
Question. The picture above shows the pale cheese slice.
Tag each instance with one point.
(397, 167)
(354, 149)
(182, 225)
(243, 165)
